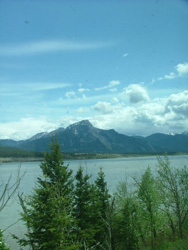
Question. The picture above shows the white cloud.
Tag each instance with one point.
(103, 107)
(70, 94)
(152, 81)
(83, 110)
(172, 75)
(113, 90)
(160, 78)
(125, 55)
(13, 89)
(113, 83)
(73, 98)
(81, 90)
(161, 115)
(46, 86)
(178, 103)
(49, 46)
(25, 128)
(136, 93)
(83, 97)
(115, 99)
(182, 69)
(110, 85)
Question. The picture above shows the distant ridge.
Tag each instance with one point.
(83, 137)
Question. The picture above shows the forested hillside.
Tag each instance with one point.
(17, 152)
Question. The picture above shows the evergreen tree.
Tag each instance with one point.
(103, 209)
(91, 210)
(3, 245)
(47, 212)
(84, 209)
(102, 194)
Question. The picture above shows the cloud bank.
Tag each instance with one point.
(163, 115)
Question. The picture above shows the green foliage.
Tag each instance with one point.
(17, 152)
(47, 212)
(173, 189)
(90, 205)
(102, 193)
(102, 207)
(155, 215)
(125, 224)
(60, 215)
(64, 213)
(83, 208)
(149, 206)
(3, 245)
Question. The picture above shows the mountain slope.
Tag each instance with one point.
(83, 137)
(17, 152)
(169, 143)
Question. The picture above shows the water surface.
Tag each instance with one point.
(115, 170)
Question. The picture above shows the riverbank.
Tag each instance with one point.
(83, 156)
(19, 159)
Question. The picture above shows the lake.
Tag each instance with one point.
(115, 170)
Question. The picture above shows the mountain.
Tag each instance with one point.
(185, 133)
(169, 143)
(83, 137)
(38, 136)
(8, 143)
(46, 134)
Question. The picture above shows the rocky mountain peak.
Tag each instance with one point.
(81, 123)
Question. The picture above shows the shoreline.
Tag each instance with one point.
(85, 156)
(19, 159)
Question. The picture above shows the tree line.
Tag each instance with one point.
(18, 152)
(67, 212)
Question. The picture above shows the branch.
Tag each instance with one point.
(9, 190)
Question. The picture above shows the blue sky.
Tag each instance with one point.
(120, 64)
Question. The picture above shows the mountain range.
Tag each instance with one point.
(83, 137)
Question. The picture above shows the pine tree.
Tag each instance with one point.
(83, 209)
(102, 214)
(3, 245)
(47, 212)
(90, 210)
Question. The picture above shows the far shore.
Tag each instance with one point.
(19, 159)
(83, 156)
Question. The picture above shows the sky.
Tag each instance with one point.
(120, 64)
